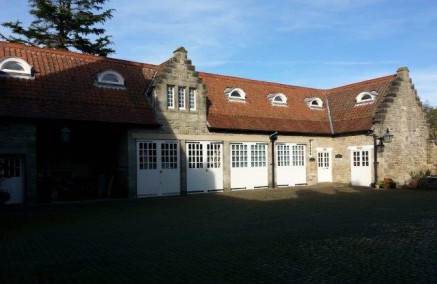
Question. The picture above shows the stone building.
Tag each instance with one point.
(77, 126)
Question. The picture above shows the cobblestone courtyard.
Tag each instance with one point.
(298, 235)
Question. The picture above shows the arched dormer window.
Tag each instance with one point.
(277, 99)
(15, 67)
(366, 97)
(235, 94)
(110, 78)
(314, 103)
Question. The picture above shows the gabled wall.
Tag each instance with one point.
(179, 72)
(403, 115)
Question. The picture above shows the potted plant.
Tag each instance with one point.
(388, 183)
(416, 176)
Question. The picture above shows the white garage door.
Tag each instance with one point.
(290, 169)
(204, 166)
(11, 179)
(158, 170)
(249, 165)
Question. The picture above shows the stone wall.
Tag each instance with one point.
(407, 121)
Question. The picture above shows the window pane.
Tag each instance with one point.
(13, 65)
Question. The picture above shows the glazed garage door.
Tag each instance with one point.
(158, 170)
(290, 167)
(249, 165)
(204, 166)
(11, 179)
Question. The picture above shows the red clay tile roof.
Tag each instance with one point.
(346, 115)
(64, 88)
(258, 114)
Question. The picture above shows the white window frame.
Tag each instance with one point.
(107, 83)
(26, 73)
(230, 93)
(361, 100)
(273, 99)
(192, 98)
(170, 97)
(314, 103)
(181, 97)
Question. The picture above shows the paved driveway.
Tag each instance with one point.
(300, 235)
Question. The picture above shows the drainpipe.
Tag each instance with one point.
(273, 137)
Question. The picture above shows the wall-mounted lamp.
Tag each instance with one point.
(378, 143)
(65, 135)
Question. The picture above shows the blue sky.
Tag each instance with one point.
(317, 43)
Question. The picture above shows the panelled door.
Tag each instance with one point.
(361, 170)
(158, 170)
(324, 165)
(11, 179)
(290, 166)
(204, 166)
(249, 165)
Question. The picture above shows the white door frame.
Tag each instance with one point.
(204, 166)
(248, 163)
(324, 164)
(12, 178)
(361, 165)
(158, 167)
(290, 164)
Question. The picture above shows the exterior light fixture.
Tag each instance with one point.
(378, 145)
(65, 135)
(387, 137)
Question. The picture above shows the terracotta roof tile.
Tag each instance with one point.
(64, 87)
(257, 112)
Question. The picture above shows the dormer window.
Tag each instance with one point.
(235, 94)
(15, 67)
(110, 78)
(277, 99)
(366, 97)
(314, 103)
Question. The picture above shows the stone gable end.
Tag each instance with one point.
(177, 73)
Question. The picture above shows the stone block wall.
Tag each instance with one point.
(180, 73)
(407, 121)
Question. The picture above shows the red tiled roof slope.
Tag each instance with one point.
(346, 115)
(64, 87)
(257, 112)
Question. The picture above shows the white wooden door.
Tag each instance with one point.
(290, 165)
(324, 165)
(204, 166)
(11, 179)
(361, 171)
(249, 165)
(158, 170)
